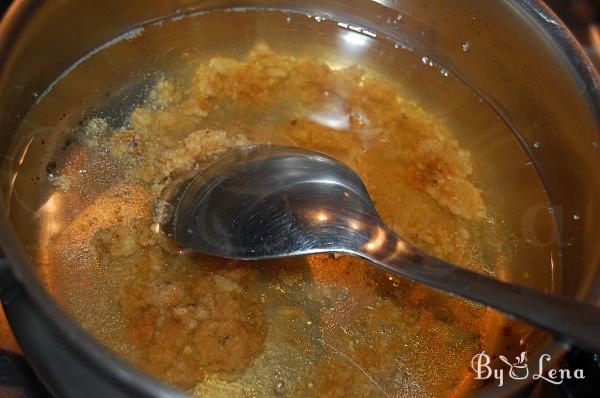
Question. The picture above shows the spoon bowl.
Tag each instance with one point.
(271, 202)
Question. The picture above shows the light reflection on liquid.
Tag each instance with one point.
(355, 39)
(13, 179)
(334, 117)
(49, 211)
(25, 149)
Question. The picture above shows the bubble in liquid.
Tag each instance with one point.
(318, 18)
(576, 217)
(445, 72)
(466, 47)
(537, 145)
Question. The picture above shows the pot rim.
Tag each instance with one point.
(137, 383)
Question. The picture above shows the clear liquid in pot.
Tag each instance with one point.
(441, 166)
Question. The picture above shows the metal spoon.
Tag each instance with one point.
(270, 202)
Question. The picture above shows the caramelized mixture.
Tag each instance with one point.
(316, 326)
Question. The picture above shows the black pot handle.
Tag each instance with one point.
(15, 372)
(9, 286)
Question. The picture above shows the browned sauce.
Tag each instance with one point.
(321, 325)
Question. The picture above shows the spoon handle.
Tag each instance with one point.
(571, 321)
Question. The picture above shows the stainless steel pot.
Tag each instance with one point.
(527, 64)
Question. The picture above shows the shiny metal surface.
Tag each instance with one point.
(271, 202)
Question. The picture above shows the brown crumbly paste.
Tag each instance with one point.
(344, 328)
